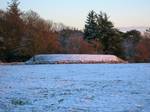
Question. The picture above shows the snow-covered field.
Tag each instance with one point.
(75, 88)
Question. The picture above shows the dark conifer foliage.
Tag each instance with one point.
(90, 31)
(99, 28)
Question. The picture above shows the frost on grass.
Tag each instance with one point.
(75, 88)
(73, 58)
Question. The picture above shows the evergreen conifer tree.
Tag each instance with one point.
(90, 26)
(98, 27)
(14, 29)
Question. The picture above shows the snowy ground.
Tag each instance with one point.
(75, 88)
(73, 58)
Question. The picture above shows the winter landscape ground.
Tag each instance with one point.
(75, 88)
(73, 59)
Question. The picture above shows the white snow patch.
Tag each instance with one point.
(73, 58)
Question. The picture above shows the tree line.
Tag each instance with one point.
(25, 34)
(132, 45)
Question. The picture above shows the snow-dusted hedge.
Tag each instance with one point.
(73, 58)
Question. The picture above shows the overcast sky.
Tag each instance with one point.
(123, 13)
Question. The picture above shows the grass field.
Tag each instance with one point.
(75, 88)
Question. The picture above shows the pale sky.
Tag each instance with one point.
(123, 13)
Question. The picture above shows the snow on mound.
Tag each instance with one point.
(73, 58)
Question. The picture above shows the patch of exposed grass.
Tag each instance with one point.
(17, 101)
